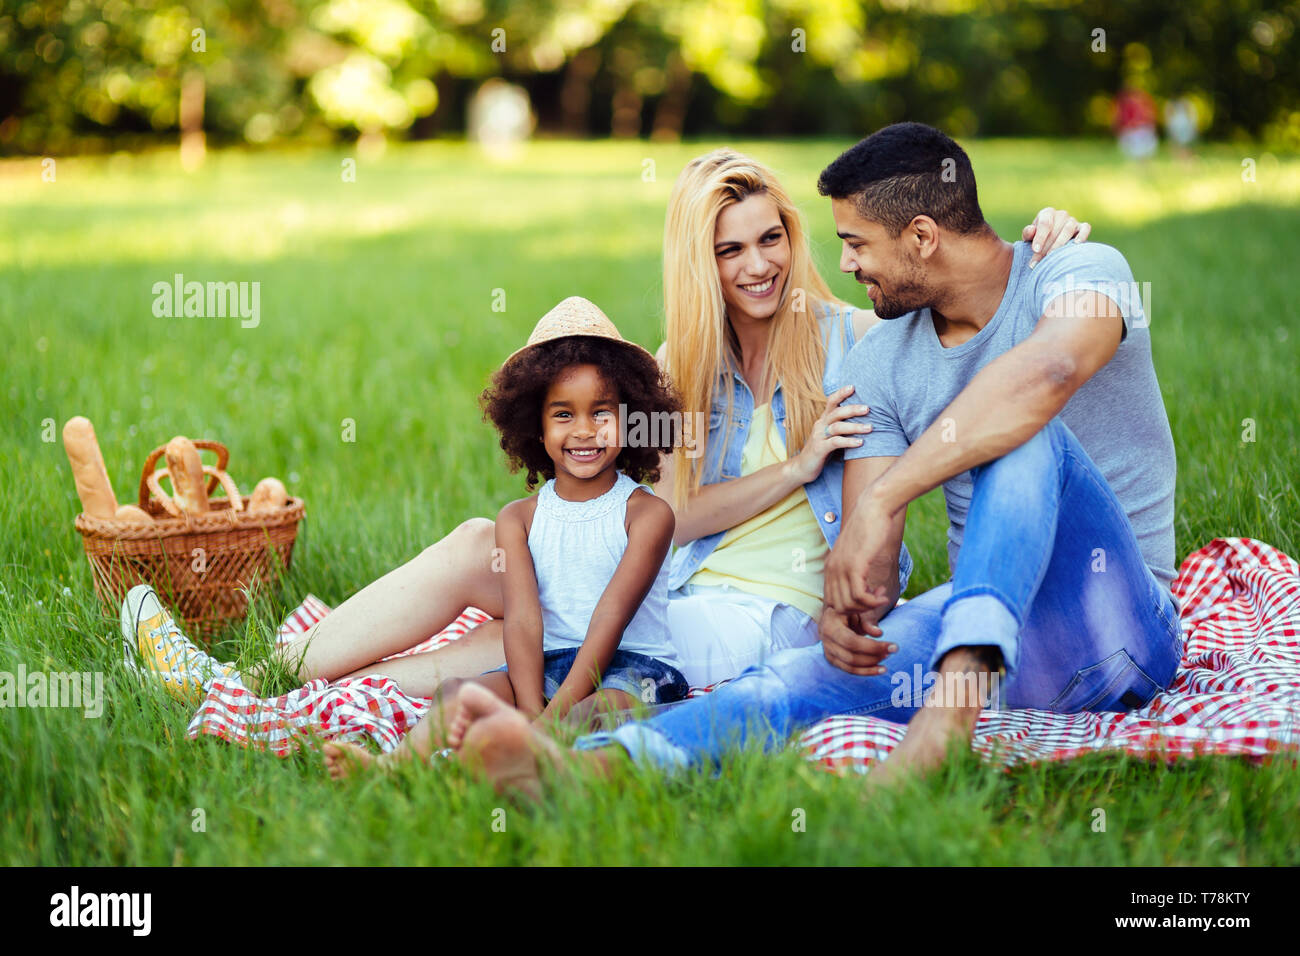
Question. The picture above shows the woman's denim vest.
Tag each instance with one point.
(825, 492)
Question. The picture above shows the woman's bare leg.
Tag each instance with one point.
(420, 675)
(404, 607)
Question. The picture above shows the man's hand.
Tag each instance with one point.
(861, 587)
(847, 648)
(862, 570)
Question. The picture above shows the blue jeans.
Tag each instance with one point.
(1049, 572)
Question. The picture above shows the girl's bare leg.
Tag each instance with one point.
(404, 607)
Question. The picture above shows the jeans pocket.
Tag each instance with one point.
(1115, 684)
(1174, 625)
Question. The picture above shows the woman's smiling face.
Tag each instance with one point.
(753, 255)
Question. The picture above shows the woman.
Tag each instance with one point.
(759, 347)
(758, 343)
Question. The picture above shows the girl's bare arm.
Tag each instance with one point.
(522, 638)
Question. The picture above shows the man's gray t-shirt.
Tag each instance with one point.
(902, 371)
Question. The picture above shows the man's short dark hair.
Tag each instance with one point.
(904, 171)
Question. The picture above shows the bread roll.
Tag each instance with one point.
(185, 468)
(134, 514)
(93, 487)
(268, 495)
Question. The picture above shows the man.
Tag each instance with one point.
(1028, 392)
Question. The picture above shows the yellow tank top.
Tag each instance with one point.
(779, 553)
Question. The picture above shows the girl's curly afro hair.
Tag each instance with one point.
(514, 401)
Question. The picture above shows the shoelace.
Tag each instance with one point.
(180, 650)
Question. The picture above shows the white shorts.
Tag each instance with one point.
(719, 631)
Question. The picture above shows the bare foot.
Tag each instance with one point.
(342, 760)
(968, 679)
(473, 702)
(933, 733)
(498, 744)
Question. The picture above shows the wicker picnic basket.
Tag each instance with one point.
(199, 564)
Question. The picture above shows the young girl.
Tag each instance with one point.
(585, 559)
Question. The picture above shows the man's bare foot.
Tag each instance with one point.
(342, 760)
(498, 744)
(967, 682)
(931, 736)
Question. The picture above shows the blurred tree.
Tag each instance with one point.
(97, 74)
(90, 69)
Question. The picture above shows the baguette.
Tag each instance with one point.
(185, 469)
(268, 495)
(134, 514)
(93, 487)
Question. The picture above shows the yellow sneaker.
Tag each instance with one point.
(154, 644)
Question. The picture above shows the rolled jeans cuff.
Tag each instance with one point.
(642, 744)
(978, 619)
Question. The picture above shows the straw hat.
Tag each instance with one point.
(573, 317)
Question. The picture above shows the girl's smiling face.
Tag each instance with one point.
(580, 431)
(752, 250)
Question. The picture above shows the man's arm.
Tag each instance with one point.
(848, 636)
(845, 577)
(1008, 401)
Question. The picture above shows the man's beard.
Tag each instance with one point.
(910, 294)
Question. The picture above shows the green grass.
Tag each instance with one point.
(376, 301)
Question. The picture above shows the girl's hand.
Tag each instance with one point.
(829, 432)
(1051, 229)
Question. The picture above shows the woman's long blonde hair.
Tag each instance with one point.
(698, 335)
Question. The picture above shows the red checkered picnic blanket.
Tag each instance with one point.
(1237, 690)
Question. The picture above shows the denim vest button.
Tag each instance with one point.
(829, 516)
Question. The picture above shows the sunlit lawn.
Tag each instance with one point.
(377, 306)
